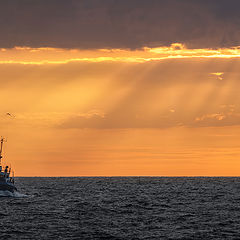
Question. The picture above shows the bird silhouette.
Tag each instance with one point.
(9, 114)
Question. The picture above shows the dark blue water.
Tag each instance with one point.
(123, 208)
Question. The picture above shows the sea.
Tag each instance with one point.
(122, 208)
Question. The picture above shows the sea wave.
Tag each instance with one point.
(122, 208)
(14, 194)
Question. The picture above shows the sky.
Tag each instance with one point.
(120, 88)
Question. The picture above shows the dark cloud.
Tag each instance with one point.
(119, 24)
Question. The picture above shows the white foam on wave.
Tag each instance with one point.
(15, 194)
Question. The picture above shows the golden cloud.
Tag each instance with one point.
(27, 55)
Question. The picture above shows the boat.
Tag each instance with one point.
(6, 174)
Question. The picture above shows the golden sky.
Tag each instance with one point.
(162, 111)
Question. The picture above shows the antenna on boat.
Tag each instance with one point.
(1, 147)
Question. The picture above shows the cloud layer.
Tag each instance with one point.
(119, 24)
(41, 56)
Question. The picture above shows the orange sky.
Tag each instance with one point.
(168, 111)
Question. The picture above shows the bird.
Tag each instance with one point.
(9, 114)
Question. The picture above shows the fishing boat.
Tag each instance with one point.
(6, 174)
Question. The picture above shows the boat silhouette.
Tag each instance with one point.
(6, 174)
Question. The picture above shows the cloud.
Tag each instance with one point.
(161, 120)
(219, 75)
(214, 116)
(45, 56)
(227, 116)
(119, 24)
(120, 120)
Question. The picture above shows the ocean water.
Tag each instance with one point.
(122, 208)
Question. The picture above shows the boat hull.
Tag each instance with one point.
(7, 187)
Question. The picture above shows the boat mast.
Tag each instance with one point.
(1, 148)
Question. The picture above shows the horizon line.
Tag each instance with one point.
(133, 176)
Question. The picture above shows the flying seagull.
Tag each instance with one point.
(9, 114)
